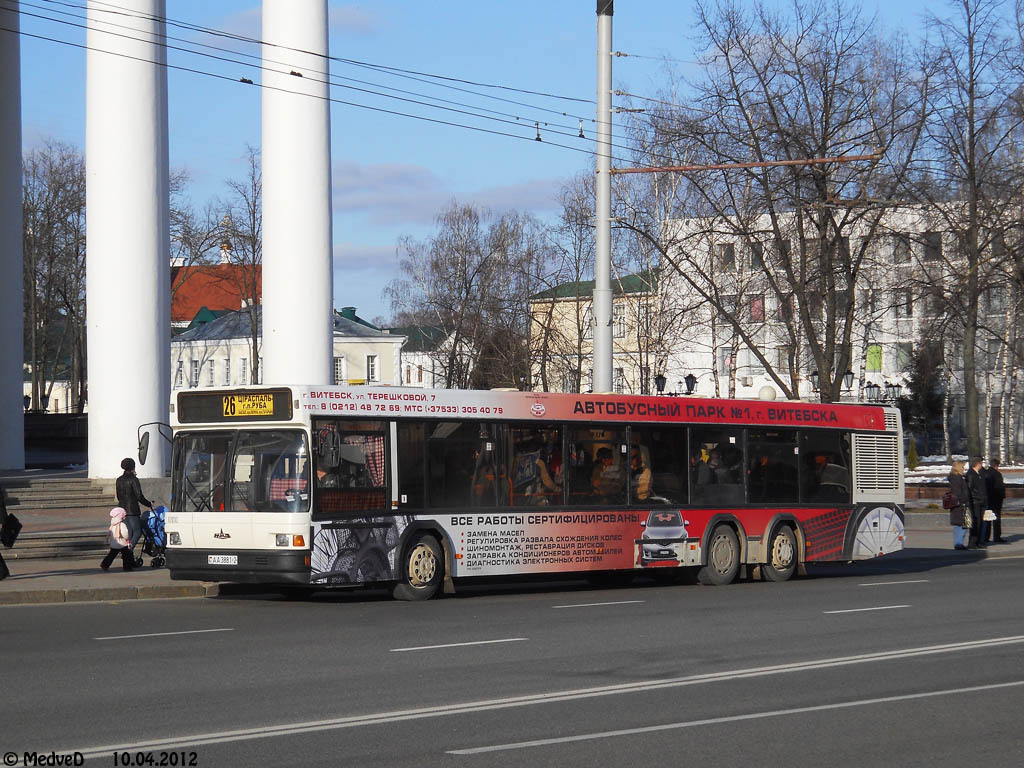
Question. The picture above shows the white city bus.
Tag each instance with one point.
(340, 486)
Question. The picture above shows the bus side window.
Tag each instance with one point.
(825, 469)
(716, 470)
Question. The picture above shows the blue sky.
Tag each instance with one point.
(392, 175)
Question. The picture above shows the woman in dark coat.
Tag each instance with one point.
(958, 487)
(4, 572)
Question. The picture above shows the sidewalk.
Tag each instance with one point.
(69, 580)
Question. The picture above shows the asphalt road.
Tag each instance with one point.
(861, 665)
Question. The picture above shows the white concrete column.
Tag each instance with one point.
(127, 236)
(298, 286)
(12, 413)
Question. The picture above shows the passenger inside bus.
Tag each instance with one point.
(606, 480)
(640, 474)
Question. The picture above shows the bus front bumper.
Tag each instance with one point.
(239, 566)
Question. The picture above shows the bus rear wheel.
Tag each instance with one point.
(422, 570)
(782, 556)
(723, 558)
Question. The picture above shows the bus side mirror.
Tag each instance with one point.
(143, 447)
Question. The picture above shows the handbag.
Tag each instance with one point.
(10, 530)
(989, 516)
(950, 500)
(967, 518)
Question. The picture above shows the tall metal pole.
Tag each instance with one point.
(603, 199)
(12, 416)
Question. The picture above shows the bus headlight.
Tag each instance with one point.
(283, 539)
(174, 538)
(289, 539)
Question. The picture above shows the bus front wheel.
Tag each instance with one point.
(782, 555)
(723, 558)
(422, 570)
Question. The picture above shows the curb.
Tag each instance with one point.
(101, 594)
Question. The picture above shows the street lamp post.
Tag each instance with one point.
(691, 383)
(659, 383)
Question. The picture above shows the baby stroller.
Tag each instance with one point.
(153, 532)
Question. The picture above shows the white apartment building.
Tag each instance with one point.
(219, 353)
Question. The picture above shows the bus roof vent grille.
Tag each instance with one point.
(891, 421)
(878, 462)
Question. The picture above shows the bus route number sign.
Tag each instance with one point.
(241, 406)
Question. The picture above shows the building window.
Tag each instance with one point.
(243, 371)
(904, 302)
(193, 373)
(588, 323)
(756, 256)
(210, 373)
(419, 374)
(932, 246)
(620, 381)
(227, 371)
(783, 250)
(995, 347)
(901, 248)
(179, 373)
(995, 300)
(371, 368)
(726, 256)
(782, 358)
(619, 320)
(339, 370)
(904, 351)
(757, 308)
(873, 360)
(261, 371)
(724, 359)
(727, 302)
(408, 374)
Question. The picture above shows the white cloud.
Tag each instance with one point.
(406, 195)
(537, 196)
(350, 257)
(352, 19)
(389, 194)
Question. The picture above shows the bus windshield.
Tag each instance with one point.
(244, 471)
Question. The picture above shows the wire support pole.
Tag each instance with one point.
(602, 352)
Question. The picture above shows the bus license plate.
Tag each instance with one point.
(222, 559)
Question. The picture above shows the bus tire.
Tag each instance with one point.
(421, 570)
(723, 558)
(782, 555)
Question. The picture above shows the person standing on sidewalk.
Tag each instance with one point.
(118, 535)
(995, 489)
(129, 494)
(958, 487)
(977, 502)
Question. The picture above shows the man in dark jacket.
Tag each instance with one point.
(977, 502)
(995, 490)
(129, 494)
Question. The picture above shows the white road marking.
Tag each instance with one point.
(459, 645)
(887, 583)
(166, 634)
(591, 605)
(876, 608)
(290, 729)
(729, 719)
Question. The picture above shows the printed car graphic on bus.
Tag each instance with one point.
(663, 524)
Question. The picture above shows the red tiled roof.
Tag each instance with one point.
(217, 286)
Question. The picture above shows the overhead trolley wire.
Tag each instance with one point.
(515, 119)
(331, 99)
